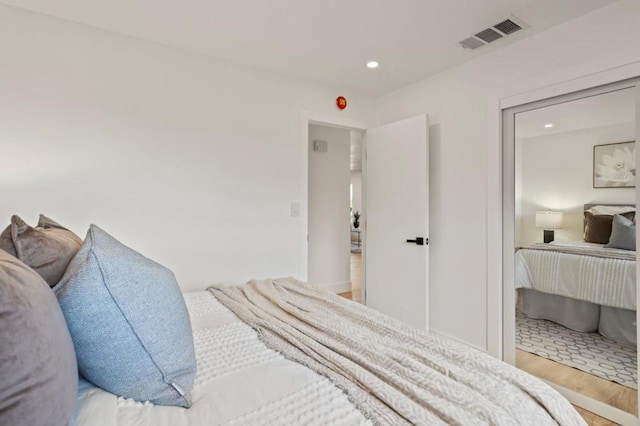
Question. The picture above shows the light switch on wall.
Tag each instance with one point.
(295, 209)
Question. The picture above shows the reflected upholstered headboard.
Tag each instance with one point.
(588, 206)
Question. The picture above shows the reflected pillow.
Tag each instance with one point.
(129, 323)
(598, 227)
(39, 373)
(623, 234)
(47, 248)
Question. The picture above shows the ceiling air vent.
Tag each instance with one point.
(507, 27)
(471, 43)
(496, 32)
(489, 35)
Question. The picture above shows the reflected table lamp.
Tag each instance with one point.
(549, 221)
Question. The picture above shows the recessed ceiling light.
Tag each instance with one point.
(372, 64)
(548, 125)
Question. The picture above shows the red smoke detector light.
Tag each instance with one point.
(341, 102)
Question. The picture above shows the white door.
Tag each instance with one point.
(397, 210)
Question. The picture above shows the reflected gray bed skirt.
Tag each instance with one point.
(614, 323)
(618, 324)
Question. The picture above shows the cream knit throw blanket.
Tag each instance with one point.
(394, 373)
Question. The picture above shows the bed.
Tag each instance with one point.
(269, 352)
(584, 286)
(241, 381)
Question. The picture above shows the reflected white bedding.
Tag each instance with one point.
(604, 276)
(239, 382)
(575, 243)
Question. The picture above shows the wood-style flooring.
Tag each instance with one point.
(595, 387)
(587, 384)
(356, 279)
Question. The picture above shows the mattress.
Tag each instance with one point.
(579, 271)
(239, 382)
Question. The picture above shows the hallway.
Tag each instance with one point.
(356, 279)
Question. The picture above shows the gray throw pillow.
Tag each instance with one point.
(598, 226)
(623, 233)
(129, 323)
(47, 248)
(39, 373)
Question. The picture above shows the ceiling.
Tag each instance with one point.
(328, 41)
(596, 111)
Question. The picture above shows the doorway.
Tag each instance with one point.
(395, 208)
(335, 235)
(568, 162)
(357, 233)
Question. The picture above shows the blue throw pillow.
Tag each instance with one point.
(128, 322)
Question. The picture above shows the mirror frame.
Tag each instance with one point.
(508, 236)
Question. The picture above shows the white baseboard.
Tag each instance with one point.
(338, 287)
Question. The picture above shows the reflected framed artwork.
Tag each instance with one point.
(614, 165)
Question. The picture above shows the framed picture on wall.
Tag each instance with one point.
(614, 165)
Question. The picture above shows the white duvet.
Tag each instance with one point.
(607, 281)
(239, 382)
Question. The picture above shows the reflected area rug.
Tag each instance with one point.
(589, 352)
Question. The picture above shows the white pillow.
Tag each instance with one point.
(611, 210)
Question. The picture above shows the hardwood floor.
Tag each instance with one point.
(595, 387)
(356, 279)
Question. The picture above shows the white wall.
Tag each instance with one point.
(329, 236)
(192, 162)
(457, 103)
(557, 174)
(195, 162)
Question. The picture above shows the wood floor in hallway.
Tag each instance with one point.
(356, 279)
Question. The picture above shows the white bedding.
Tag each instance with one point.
(575, 243)
(239, 382)
(607, 281)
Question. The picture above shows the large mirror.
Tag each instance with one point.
(575, 259)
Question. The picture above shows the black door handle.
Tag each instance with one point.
(419, 241)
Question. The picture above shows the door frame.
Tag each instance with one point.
(308, 117)
(598, 73)
(601, 72)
